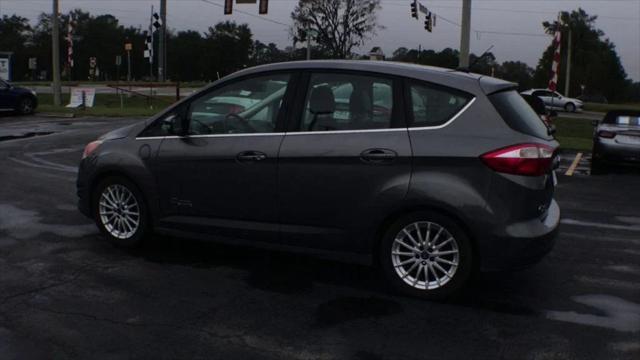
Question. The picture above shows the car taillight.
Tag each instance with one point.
(523, 159)
(90, 148)
(606, 134)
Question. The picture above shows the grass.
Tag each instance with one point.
(575, 134)
(107, 105)
(608, 107)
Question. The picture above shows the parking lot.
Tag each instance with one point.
(67, 293)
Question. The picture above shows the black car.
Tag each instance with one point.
(14, 98)
(428, 173)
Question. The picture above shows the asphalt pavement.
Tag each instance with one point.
(67, 293)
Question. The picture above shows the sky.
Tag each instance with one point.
(513, 27)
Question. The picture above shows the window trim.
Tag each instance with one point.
(397, 123)
(408, 106)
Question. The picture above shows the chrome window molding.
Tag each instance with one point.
(330, 132)
(448, 122)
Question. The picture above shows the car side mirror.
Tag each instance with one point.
(173, 124)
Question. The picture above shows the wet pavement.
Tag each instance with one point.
(67, 293)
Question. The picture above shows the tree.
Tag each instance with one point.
(595, 63)
(517, 72)
(338, 25)
(267, 53)
(185, 45)
(227, 49)
(16, 32)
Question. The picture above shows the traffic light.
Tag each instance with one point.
(414, 9)
(428, 22)
(228, 7)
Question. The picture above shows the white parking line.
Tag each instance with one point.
(600, 225)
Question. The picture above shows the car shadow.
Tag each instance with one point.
(290, 273)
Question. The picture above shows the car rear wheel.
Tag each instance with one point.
(26, 106)
(120, 212)
(570, 107)
(598, 167)
(427, 255)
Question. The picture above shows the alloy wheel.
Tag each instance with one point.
(119, 211)
(425, 255)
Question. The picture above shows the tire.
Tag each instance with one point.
(115, 204)
(570, 107)
(26, 106)
(598, 167)
(406, 273)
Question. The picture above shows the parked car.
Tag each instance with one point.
(554, 100)
(600, 99)
(456, 175)
(616, 140)
(547, 116)
(14, 98)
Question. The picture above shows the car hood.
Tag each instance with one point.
(20, 90)
(123, 132)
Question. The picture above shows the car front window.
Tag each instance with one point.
(246, 106)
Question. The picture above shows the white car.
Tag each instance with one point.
(555, 100)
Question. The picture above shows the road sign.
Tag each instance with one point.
(118, 60)
(92, 62)
(4, 69)
(82, 96)
(33, 63)
(128, 46)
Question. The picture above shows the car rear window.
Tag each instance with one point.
(624, 118)
(517, 113)
(433, 105)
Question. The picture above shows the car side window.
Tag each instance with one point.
(347, 102)
(434, 105)
(246, 106)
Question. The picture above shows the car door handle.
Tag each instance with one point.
(251, 156)
(378, 156)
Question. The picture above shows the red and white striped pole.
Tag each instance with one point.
(555, 66)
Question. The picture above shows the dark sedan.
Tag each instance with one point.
(14, 98)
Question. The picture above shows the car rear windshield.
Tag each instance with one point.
(517, 113)
(623, 118)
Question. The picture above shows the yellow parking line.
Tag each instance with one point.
(574, 164)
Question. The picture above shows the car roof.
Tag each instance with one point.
(447, 77)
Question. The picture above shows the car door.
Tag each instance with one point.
(345, 162)
(221, 177)
(6, 97)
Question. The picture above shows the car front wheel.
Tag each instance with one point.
(427, 255)
(120, 212)
(570, 107)
(26, 106)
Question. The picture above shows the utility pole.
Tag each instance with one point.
(567, 77)
(55, 54)
(465, 34)
(162, 41)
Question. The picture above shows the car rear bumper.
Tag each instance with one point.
(522, 244)
(614, 151)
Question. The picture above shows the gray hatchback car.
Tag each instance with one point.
(428, 173)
